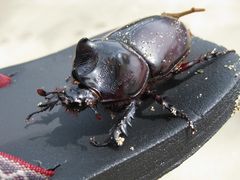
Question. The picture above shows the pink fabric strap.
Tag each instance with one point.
(12, 167)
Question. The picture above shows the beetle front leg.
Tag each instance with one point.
(203, 58)
(173, 110)
(118, 132)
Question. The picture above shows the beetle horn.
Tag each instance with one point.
(85, 59)
(84, 51)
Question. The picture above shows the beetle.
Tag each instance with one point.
(121, 67)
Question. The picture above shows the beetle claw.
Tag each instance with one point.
(94, 142)
(114, 138)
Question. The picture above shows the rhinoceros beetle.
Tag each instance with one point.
(121, 67)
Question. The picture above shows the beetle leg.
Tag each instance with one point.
(180, 14)
(205, 57)
(183, 66)
(49, 105)
(173, 110)
(118, 132)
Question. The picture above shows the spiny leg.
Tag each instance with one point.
(205, 57)
(180, 14)
(118, 132)
(183, 66)
(173, 110)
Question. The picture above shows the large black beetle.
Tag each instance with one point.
(121, 67)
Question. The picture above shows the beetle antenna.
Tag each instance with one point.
(50, 104)
(98, 116)
(43, 93)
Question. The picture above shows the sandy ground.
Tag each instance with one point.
(35, 28)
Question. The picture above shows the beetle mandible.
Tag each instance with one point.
(121, 67)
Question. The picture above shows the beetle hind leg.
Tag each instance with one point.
(180, 14)
(173, 110)
(118, 132)
(203, 58)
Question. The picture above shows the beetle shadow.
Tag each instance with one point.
(178, 79)
(72, 128)
(144, 111)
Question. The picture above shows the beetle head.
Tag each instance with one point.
(77, 99)
(73, 98)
